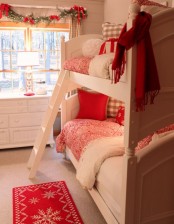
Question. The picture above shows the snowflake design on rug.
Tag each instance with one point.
(48, 217)
(49, 194)
(33, 200)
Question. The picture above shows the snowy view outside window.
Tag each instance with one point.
(46, 42)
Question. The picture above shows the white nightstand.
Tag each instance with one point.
(20, 119)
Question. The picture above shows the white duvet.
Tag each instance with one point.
(94, 155)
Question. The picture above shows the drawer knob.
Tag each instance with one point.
(17, 121)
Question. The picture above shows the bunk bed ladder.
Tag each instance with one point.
(47, 123)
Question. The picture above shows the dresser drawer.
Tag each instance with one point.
(13, 110)
(13, 103)
(24, 120)
(37, 108)
(36, 102)
(23, 135)
(3, 121)
(4, 137)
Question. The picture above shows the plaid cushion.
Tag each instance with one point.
(113, 106)
(111, 30)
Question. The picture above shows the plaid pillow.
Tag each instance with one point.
(113, 106)
(111, 30)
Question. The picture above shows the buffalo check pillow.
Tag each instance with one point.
(111, 30)
(113, 106)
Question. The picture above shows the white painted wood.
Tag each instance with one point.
(110, 219)
(139, 124)
(73, 47)
(155, 183)
(47, 122)
(20, 119)
(142, 171)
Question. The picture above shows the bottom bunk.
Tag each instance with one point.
(106, 196)
(100, 166)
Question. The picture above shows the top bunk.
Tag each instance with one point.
(155, 116)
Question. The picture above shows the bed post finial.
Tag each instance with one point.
(134, 9)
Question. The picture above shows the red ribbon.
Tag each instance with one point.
(112, 48)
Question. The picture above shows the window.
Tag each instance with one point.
(43, 39)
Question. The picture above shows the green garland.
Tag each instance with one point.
(76, 12)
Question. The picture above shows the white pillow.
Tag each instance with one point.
(99, 65)
(91, 47)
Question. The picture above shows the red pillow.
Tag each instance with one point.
(92, 105)
(120, 115)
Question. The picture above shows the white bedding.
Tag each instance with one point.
(100, 66)
(94, 155)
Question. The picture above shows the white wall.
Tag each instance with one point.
(116, 11)
(95, 10)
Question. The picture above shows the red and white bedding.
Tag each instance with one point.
(77, 133)
(99, 65)
(92, 142)
(78, 64)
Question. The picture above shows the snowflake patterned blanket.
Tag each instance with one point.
(77, 133)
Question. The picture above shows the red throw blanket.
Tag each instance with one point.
(147, 81)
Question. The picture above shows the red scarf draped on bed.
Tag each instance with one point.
(147, 81)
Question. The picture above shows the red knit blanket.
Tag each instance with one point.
(147, 82)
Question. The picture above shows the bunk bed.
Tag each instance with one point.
(141, 182)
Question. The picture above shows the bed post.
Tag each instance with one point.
(129, 161)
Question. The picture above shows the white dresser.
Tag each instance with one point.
(20, 119)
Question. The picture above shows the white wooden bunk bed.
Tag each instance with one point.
(145, 183)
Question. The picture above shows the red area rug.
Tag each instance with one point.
(47, 203)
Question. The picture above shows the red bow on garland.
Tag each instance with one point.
(4, 9)
(80, 12)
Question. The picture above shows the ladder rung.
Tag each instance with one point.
(47, 123)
